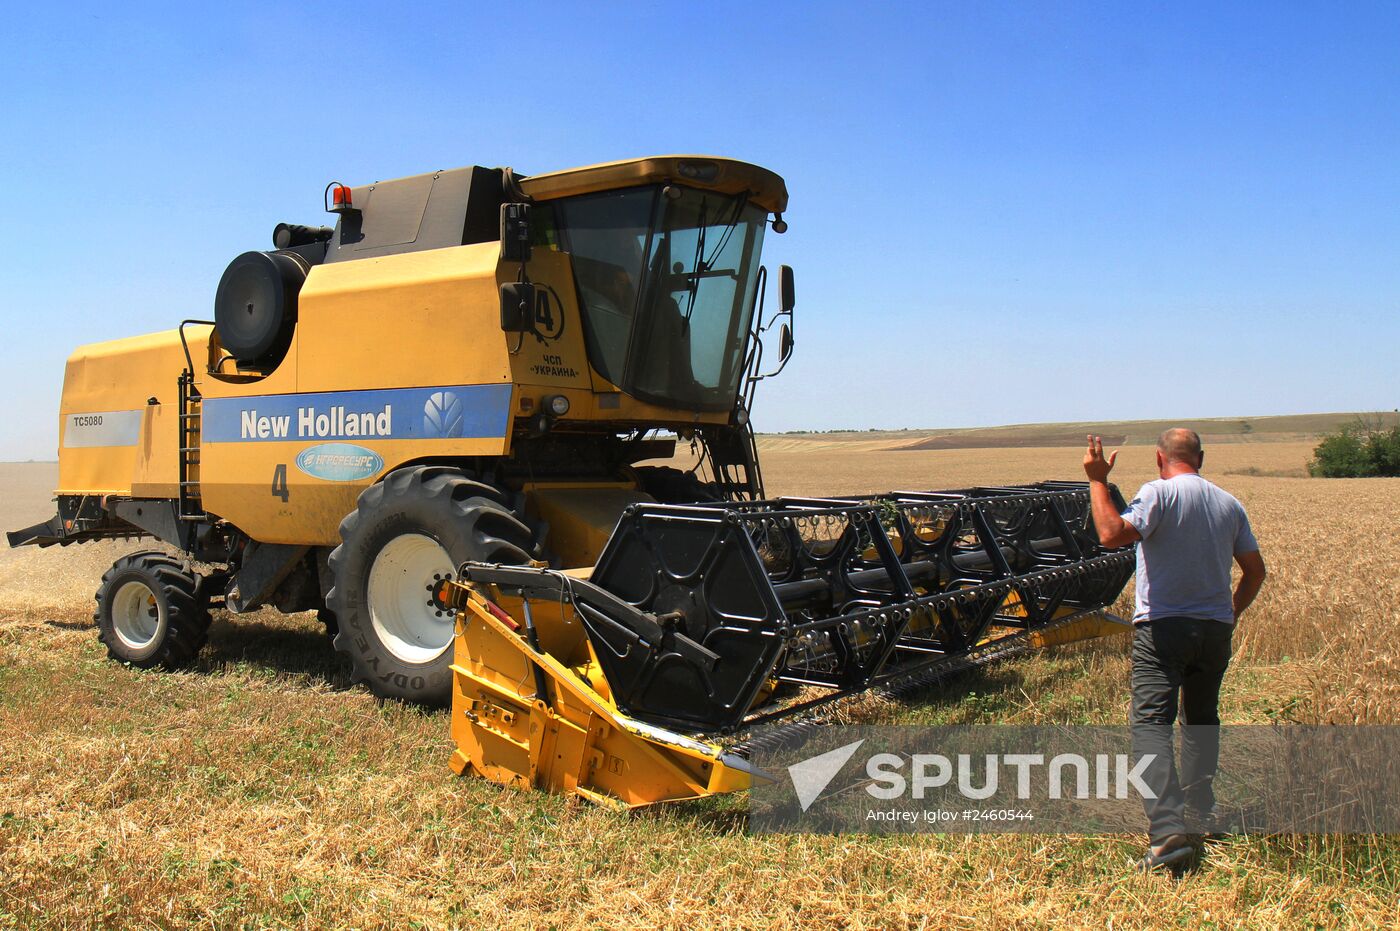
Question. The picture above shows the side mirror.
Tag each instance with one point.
(786, 293)
(517, 307)
(515, 232)
(784, 344)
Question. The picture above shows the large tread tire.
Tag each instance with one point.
(672, 486)
(152, 611)
(467, 519)
(327, 617)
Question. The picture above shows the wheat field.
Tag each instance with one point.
(258, 789)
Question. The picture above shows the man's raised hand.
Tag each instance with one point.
(1095, 465)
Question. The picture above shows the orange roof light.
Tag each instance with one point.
(338, 198)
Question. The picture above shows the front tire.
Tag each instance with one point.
(416, 526)
(150, 611)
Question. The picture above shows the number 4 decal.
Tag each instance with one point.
(543, 316)
(279, 482)
(547, 325)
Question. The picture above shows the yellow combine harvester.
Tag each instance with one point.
(428, 420)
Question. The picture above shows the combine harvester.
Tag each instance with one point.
(425, 423)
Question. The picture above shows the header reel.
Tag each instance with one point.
(702, 620)
(693, 610)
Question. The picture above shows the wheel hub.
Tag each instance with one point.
(137, 615)
(400, 596)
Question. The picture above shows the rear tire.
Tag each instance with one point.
(150, 611)
(417, 525)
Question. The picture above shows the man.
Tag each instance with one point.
(1188, 531)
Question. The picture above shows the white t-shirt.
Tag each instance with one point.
(1191, 531)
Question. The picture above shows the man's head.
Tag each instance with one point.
(1179, 450)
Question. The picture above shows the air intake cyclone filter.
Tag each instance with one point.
(255, 308)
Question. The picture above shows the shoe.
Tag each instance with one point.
(1211, 822)
(1176, 856)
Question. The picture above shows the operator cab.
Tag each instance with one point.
(665, 254)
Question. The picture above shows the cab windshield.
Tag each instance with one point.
(666, 286)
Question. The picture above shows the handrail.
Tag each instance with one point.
(189, 362)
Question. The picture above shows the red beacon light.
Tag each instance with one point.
(338, 198)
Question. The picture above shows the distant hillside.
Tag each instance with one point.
(1288, 428)
(1012, 438)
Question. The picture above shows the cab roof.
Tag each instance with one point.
(726, 175)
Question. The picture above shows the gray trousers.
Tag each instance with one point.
(1178, 662)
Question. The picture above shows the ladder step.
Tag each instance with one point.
(191, 506)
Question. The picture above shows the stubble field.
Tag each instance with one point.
(258, 790)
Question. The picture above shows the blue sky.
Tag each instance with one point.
(1000, 212)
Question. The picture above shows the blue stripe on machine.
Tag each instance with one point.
(458, 411)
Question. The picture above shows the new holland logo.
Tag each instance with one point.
(442, 415)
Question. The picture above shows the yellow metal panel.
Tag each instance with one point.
(226, 381)
(407, 320)
(581, 517)
(157, 467)
(570, 739)
(118, 378)
(1097, 624)
(556, 356)
(95, 471)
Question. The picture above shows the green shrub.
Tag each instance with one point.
(1384, 448)
(1357, 451)
(1341, 455)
